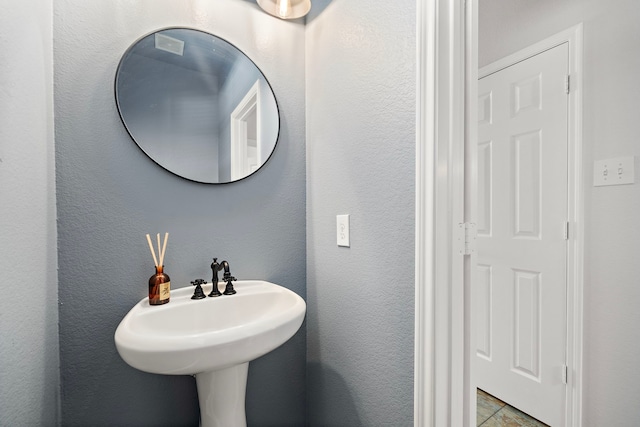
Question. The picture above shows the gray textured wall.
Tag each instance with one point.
(361, 88)
(110, 194)
(612, 236)
(29, 376)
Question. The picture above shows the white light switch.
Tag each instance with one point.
(616, 171)
(342, 228)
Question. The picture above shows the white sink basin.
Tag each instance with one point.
(212, 338)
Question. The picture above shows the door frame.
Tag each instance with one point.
(250, 102)
(446, 161)
(446, 76)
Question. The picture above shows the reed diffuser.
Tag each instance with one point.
(159, 283)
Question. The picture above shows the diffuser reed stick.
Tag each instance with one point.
(159, 254)
(164, 248)
(153, 253)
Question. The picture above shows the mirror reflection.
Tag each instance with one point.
(197, 105)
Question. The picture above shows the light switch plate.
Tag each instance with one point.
(342, 229)
(616, 171)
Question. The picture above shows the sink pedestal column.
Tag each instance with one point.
(221, 395)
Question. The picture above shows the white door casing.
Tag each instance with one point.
(520, 291)
(246, 140)
(446, 70)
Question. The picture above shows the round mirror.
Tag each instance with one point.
(196, 105)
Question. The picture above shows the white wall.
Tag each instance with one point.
(29, 376)
(361, 95)
(611, 129)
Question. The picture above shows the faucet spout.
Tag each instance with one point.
(225, 265)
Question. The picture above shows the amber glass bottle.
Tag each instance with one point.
(159, 287)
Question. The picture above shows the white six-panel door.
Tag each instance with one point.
(520, 295)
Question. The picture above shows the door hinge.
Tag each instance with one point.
(567, 84)
(565, 374)
(565, 233)
(467, 238)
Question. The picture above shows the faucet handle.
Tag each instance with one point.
(228, 290)
(198, 294)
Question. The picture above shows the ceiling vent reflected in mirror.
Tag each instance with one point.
(169, 44)
(286, 9)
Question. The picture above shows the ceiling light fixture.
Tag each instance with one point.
(286, 9)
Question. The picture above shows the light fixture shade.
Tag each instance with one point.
(286, 9)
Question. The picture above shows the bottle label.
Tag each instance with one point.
(165, 289)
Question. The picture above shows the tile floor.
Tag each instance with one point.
(493, 412)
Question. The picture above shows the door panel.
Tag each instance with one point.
(520, 297)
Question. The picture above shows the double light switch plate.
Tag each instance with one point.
(616, 171)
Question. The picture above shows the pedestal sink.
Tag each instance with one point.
(213, 339)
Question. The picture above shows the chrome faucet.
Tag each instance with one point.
(226, 277)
